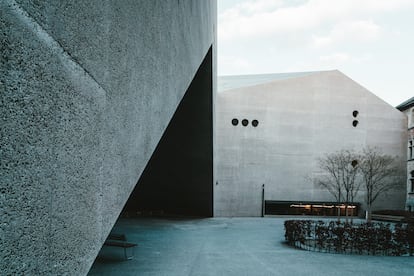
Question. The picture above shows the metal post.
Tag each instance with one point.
(263, 201)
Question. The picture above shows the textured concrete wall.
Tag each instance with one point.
(87, 89)
(300, 119)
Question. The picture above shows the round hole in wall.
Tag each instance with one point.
(355, 123)
(355, 113)
(255, 123)
(234, 122)
(354, 163)
(245, 122)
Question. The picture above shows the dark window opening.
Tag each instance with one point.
(355, 113)
(412, 185)
(411, 122)
(355, 123)
(255, 123)
(234, 122)
(354, 163)
(309, 208)
(412, 182)
(245, 122)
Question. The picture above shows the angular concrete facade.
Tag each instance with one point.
(87, 90)
(299, 117)
(178, 179)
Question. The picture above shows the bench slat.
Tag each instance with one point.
(119, 237)
(120, 244)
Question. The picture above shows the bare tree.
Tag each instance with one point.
(341, 170)
(380, 173)
(351, 186)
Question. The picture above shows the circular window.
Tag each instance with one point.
(245, 122)
(354, 163)
(234, 122)
(355, 113)
(355, 123)
(255, 123)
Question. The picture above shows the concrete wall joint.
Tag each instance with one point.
(55, 47)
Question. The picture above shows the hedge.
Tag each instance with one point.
(351, 238)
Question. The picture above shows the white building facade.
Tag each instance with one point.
(271, 130)
(407, 108)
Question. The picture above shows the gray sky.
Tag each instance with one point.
(371, 41)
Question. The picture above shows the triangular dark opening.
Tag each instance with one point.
(178, 179)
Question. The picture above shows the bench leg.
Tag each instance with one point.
(126, 255)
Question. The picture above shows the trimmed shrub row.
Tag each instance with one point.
(351, 238)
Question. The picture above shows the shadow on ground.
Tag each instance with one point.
(229, 246)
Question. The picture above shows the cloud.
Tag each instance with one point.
(252, 7)
(340, 59)
(234, 63)
(250, 20)
(355, 31)
(371, 40)
(335, 58)
(265, 17)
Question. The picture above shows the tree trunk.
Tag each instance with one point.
(346, 212)
(368, 214)
(339, 212)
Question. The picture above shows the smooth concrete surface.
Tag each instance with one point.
(301, 118)
(230, 246)
(87, 89)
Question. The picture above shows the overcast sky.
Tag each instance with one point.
(371, 41)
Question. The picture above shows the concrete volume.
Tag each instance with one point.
(87, 89)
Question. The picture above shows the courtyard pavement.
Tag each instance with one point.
(229, 246)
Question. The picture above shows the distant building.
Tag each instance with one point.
(271, 129)
(407, 108)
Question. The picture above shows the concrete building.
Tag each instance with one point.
(108, 106)
(92, 94)
(271, 129)
(407, 108)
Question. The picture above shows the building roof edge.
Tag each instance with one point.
(405, 105)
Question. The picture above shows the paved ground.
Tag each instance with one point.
(230, 246)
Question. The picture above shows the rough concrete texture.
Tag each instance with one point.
(300, 119)
(87, 89)
(230, 247)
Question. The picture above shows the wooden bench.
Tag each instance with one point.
(119, 240)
